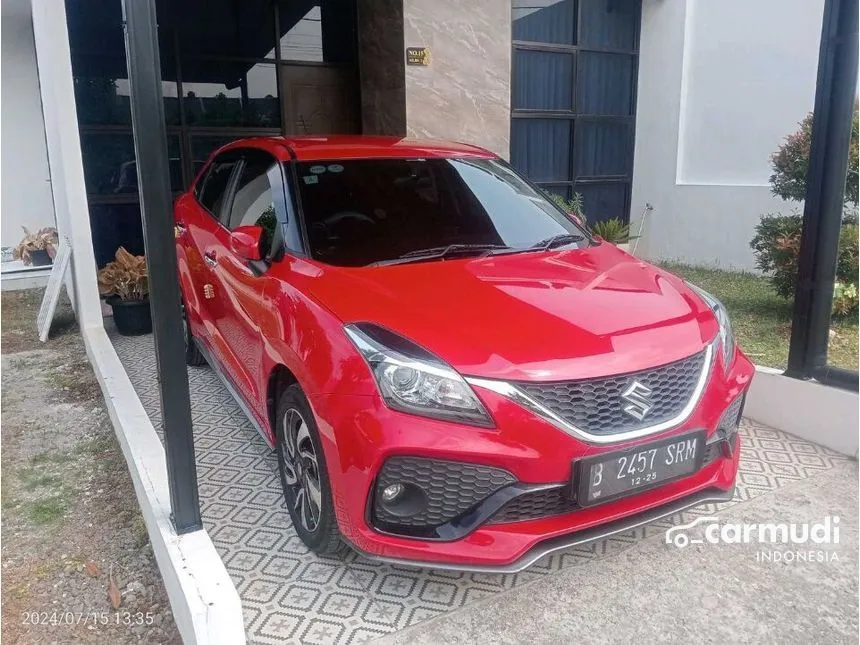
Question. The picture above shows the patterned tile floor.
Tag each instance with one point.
(290, 595)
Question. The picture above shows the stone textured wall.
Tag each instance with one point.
(465, 92)
(381, 62)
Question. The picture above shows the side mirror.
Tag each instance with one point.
(246, 242)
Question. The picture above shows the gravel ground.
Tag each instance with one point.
(77, 566)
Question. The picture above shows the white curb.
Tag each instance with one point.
(204, 601)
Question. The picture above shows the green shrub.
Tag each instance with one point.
(612, 230)
(776, 246)
(790, 163)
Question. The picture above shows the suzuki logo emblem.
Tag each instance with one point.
(638, 398)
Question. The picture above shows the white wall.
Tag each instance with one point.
(721, 83)
(26, 188)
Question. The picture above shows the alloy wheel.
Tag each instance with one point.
(300, 469)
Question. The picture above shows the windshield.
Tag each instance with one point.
(367, 211)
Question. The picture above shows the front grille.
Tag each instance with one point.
(534, 505)
(451, 488)
(595, 406)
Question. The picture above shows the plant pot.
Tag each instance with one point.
(132, 317)
(40, 258)
(624, 246)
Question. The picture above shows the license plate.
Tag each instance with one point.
(617, 474)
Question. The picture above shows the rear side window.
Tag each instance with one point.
(215, 184)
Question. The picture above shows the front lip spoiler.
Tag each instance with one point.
(566, 541)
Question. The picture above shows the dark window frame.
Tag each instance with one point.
(573, 116)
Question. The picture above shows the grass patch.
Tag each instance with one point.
(47, 511)
(50, 457)
(31, 480)
(18, 314)
(762, 320)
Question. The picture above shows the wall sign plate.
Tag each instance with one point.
(418, 56)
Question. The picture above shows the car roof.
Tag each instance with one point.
(323, 148)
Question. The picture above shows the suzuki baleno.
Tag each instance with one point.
(453, 371)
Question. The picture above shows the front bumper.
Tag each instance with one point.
(578, 538)
(360, 433)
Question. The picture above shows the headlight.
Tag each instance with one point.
(727, 338)
(413, 380)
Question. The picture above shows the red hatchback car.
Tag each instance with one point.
(454, 373)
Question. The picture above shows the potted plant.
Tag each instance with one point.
(125, 286)
(37, 249)
(614, 231)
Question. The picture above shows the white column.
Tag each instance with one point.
(64, 156)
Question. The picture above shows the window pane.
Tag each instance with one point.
(226, 28)
(542, 80)
(115, 225)
(605, 84)
(609, 23)
(540, 148)
(545, 21)
(230, 94)
(212, 194)
(102, 93)
(109, 166)
(601, 202)
(325, 32)
(253, 199)
(602, 148)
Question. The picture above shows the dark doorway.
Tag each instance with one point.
(574, 71)
(229, 70)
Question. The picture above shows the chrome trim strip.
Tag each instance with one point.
(240, 401)
(512, 392)
(566, 541)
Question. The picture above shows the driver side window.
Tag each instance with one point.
(253, 203)
(253, 197)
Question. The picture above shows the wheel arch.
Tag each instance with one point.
(280, 377)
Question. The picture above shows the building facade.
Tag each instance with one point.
(677, 104)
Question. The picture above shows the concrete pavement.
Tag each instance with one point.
(654, 592)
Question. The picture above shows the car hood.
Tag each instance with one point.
(541, 316)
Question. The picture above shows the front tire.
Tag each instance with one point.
(303, 474)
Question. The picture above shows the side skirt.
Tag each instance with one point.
(240, 400)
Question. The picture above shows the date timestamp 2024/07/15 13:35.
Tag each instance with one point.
(128, 618)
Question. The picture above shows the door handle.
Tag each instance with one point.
(210, 259)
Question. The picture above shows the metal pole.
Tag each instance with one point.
(825, 188)
(153, 177)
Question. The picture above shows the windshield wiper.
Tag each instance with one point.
(441, 252)
(562, 239)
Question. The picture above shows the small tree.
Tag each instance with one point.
(777, 240)
(790, 164)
